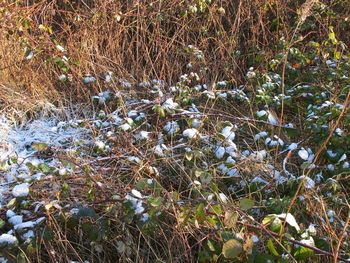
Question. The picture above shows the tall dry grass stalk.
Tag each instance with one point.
(135, 40)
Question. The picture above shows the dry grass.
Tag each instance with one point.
(139, 41)
(135, 40)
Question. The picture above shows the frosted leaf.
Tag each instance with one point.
(209, 94)
(196, 123)
(260, 135)
(30, 55)
(228, 133)
(60, 48)
(28, 235)
(331, 153)
(15, 220)
(196, 182)
(7, 240)
(223, 197)
(222, 84)
(100, 145)
(40, 220)
(342, 158)
(125, 127)
(230, 160)
(272, 119)
(308, 183)
(134, 159)
(133, 114)
(292, 146)
(290, 220)
(62, 77)
(145, 217)
(190, 133)
(10, 213)
(312, 230)
(171, 127)
(233, 172)
(259, 180)
(109, 76)
(330, 167)
(89, 79)
(210, 197)
(259, 155)
(220, 152)
(25, 225)
(255, 238)
(303, 154)
(339, 132)
(139, 208)
(143, 135)
(149, 181)
(136, 193)
(223, 168)
(63, 172)
(169, 104)
(261, 113)
(21, 190)
(158, 151)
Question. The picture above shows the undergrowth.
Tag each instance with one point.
(243, 157)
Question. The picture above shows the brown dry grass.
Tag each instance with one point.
(135, 40)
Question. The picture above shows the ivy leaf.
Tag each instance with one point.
(232, 248)
(246, 204)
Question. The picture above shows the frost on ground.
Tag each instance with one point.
(19, 153)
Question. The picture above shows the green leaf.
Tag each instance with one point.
(47, 234)
(200, 214)
(44, 168)
(155, 201)
(332, 38)
(246, 204)
(302, 253)
(86, 212)
(2, 223)
(216, 209)
(268, 219)
(272, 248)
(232, 248)
(276, 225)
